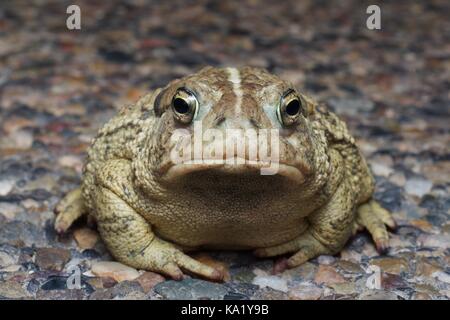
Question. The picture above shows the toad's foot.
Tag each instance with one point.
(306, 245)
(375, 218)
(69, 209)
(161, 256)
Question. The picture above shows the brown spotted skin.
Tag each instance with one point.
(149, 221)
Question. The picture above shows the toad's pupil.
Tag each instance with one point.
(181, 106)
(293, 107)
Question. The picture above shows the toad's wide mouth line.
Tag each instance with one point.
(237, 166)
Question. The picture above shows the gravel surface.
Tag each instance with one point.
(57, 87)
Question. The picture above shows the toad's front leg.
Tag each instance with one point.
(329, 229)
(129, 236)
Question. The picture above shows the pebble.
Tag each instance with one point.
(418, 187)
(6, 259)
(349, 266)
(11, 289)
(378, 295)
(20, 139)
(71, 162)
(115, 270)
(391, 265)
(148, 280)
(128, 290)
(273, 282)
(52, 258)
(392, 281)
(6, 186)
(9, 210)
(86, 238)
(22, 233)
(347, 288)
(434, 241)
(240, 290)
(381, 169)
(306, 271)
(328, 275)
(305, 292)
(326, 260)
(425, 268)
(268, 293)
(190, 289)
(442, 276)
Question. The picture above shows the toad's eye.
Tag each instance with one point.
(290, 108)
(184, 105)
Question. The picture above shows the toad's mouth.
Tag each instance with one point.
(236, 166)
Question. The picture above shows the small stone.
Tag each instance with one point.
(391, 265)
(421, 296)
(304, 292)
(273, 282)
(423, 225)
(73, 294)
(96, 282)
(427, 289)
(426, 268)
(306, 271)
(128, 290)
(11, 289)
(6, 186)
(7, 259)
(108, 282)
(344, 288)
(21, 139)
(350, 255)
(268, 293)
(242, 274)
(398, 178)
(52, 258)
(148, 280)
(441, 276)
(378, 295)
(326, 260)
(240, 290)
(380, 169)
(86, 238)
(71, 162)
(101, 294)
(30, 204)
(392, 281)
(9, 210)
(350, 267)
(328, 275)
(189, 289)
(418, 187)
(434, 241)
(115, 270)
(22, 233)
